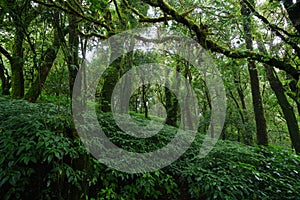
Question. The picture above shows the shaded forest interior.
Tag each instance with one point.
(226, 71)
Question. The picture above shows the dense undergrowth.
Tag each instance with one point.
(41, 159)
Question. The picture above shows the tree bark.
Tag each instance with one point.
(5, 78)
(45, 67)
(293, 11)
(17, 65)
(171, 100)
(246, 134)
(260, 120)
(145, 100)
(72, 55)
(286, 107)
(110, 79)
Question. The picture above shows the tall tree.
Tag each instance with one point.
(73, 45)
(46, 63)
(285, 106)
(261, 125)
(21, 14)
(293, 7)
(5, 78)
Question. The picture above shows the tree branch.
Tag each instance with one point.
(71, 10)
(143, 18)
(273, 27)
(89, 35)
(6, 54)
(214, 47)
(160, 40)
(117, 9)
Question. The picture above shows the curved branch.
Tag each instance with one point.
(143, 18)
(92, 34)
(208, 44)
(73, 11)
(273, 27)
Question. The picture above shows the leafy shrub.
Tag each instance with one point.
(41, 159)
(37, 157)
(236, 171)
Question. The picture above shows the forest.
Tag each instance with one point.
(149, 99)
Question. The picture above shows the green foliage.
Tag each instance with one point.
(38, 156)
(236, 171)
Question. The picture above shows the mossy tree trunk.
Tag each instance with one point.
(171, 100)
(5, 78)
(72, 54)
(44, 69)
(17, 65)
(293, 10)
(260, 120)
(285, 106)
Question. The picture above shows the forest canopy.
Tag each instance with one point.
(48, 49)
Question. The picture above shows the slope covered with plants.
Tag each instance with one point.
(38, 161)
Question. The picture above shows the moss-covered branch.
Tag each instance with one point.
(273, 27)
(92, 34)
(201, 33)
(143, 18)
(73, 11)
(160, 40)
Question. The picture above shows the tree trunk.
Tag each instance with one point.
(144, 99)
(171, 101)
(293, 11)
(171, 108)
(260, 120)
(45, 67)
(111, 75)
(246, 134)
(126, 64)
(286, 108)
(72, 55)
(5, 78)
(189, 101)
(110, 79)
(17, 63)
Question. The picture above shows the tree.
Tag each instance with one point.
(261, 125)
(46, 63)
(286, 107)
(5, 78)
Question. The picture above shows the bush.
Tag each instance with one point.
(41, 159)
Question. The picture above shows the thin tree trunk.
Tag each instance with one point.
(188, 102)
(72, 58)
(246, 134)
(144, 99)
